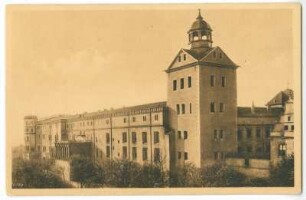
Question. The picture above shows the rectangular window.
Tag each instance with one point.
(178, 109)
(124, 152)
(134, 137)
(189, 81)
(282, 150)
(212, 80)
(190, 108)
(292, 127)
(258, 133)
(221, 134)
(249, 132)
(50, 137)
(144, 118)
(179, 134)
(184, 56)
(174, 85)
(134, 153)
(179, 155)
(182, 83)
(286, 127)
(156, 154)
(223, 81)
(144, 137)
(179, 58)
(156, 137)
(144, 154)
(183, 108)
(44, 148)
(185, 135)
(124, 137)
(221, 107)
(156, 117)
(267, 132)
(215, 134)
(107, 138)
(134, 119)
(239, 134)
(186, 156)
(289, 118)
(212, 107)
(216, 155)
(124, 120)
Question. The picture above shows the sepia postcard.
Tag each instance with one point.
(153, 99)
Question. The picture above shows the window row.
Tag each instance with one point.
(181, 109)
(156, 156)
(182, 135)
(250, 133)
(213, 81)
(134, 137)
(179, 155)
(289, 128)
(218, 134)
(179, 58)
(213, 109)
(182, 83)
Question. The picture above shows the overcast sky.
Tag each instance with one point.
(72, 60)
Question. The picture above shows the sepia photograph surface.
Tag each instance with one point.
(153, 99)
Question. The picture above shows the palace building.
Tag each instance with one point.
(199, 123)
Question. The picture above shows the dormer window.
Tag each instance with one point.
(220, 55)
(179, 58)
(184, 56)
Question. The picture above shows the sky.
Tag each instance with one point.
(83, 59)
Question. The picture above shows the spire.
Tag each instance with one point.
(253, 107)
(199, 16)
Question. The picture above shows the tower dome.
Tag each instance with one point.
(200, 33)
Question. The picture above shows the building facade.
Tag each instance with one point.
(200, 123)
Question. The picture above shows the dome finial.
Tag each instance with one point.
(199, 16)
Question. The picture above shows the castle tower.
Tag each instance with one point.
(202, 101)
(30, 135)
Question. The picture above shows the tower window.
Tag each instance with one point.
(124, 152)
(178, 109)
(107, 138)
(190, 108)
(212, 80)
(179, 134)
(223, 81)
(182, 83)
(183, 108)
(186, 156)
(282, 150)
(174, 85)
(214, 54)
(212, 107)
(221, 106)
(189, 81)
(195, 36)
(185, 135)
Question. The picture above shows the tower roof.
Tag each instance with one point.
(199, 24)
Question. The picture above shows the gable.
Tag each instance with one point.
(218, 56)
(181, 59)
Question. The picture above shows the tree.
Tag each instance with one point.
(283, 174)
(187, 176)
(35, 174)
(86, 172)
(220, 175)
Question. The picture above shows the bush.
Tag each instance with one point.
(36, 174)
(283, 174)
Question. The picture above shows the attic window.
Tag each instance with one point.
(179, 58)
(184, 56)
(214, 54)
(220, 55)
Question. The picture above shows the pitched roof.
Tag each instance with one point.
(198, 53)
(256, 112)
(281, 97)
